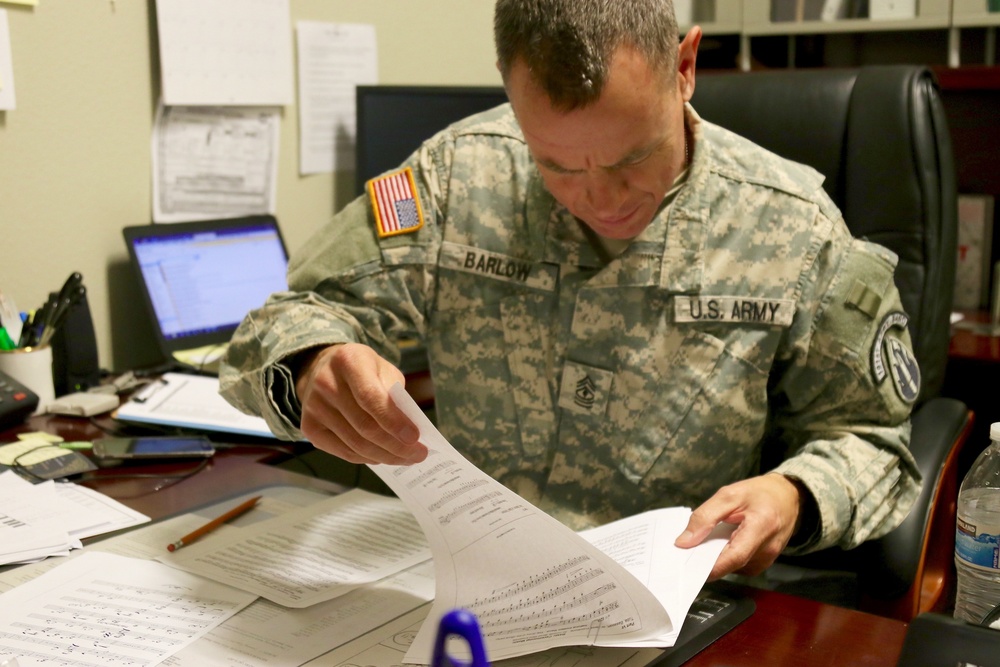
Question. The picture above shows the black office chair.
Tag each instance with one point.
(879, 136)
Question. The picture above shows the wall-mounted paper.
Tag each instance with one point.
(7, 101)
(225, 52)
(334, 58)
(214, 162)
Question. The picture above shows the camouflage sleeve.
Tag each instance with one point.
(844, 395)
(346, 285)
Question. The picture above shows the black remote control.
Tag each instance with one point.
(17, 402)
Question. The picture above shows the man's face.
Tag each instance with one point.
(611, 162)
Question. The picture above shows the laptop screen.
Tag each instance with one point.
(200, 279)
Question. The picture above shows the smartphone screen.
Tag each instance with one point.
(156, 447)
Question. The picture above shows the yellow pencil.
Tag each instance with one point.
(213, 524)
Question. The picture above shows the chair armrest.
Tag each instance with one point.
(894, 563)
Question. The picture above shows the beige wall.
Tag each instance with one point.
(75, 154)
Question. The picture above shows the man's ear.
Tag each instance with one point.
(687, 56)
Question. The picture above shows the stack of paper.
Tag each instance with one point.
(50, 519)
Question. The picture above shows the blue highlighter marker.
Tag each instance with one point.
(462, 623)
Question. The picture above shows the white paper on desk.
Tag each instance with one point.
(532, 582)
(77, 510)
(111, 515)
(190, 401)
(314, 554)
(31, 522)
(267, 634)
(334, 58)
(102, 609)
(214, 162)
(151, 540)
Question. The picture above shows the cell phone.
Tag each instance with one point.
(153, 448)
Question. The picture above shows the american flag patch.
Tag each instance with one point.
(394, 201)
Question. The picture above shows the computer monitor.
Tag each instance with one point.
(392, 121)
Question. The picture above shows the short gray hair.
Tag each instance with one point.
(567, 45)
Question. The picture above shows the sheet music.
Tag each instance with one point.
(102, 609)
(532, 582)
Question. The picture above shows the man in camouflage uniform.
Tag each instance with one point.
(624, 306)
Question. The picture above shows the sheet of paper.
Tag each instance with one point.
(151, 540)
(214, 162)
(561, 591)
(28, 452)
(111, 514)
(190, 401)
(644, 545)
(32, 525)
(77, 510)
(334, 58)
(102, 609)
(269, 635)
(225, 52)
(8, 101)
(314, 554)
(386, 646)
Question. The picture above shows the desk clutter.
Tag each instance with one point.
(325, 580)
(52, 349)
(331, 624)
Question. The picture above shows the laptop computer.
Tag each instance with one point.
(199, 279)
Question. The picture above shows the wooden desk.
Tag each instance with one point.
(784, 630)
(230, 472)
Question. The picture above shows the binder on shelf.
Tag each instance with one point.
(892, 9)
(975, 252)
(834, 10)
(796, 10)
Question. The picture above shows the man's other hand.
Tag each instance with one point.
(765, 510)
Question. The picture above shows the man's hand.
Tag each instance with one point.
(347, 411)
(765, 509)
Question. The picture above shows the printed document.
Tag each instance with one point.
(314, 554)
(531, 581)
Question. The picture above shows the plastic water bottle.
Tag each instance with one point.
(977, 535)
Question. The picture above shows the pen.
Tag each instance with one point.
(213, 524)
(59, 312)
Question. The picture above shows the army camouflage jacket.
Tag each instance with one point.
(743, 330)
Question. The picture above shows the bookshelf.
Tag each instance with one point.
(747, 19)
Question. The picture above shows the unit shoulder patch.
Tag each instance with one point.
(395, 203)
(890, 357)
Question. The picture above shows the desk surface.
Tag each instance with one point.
(784, 630)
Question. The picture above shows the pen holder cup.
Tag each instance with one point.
(32, 367)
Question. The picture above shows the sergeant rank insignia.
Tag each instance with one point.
(395, 203)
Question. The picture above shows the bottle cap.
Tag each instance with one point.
(995, 431)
